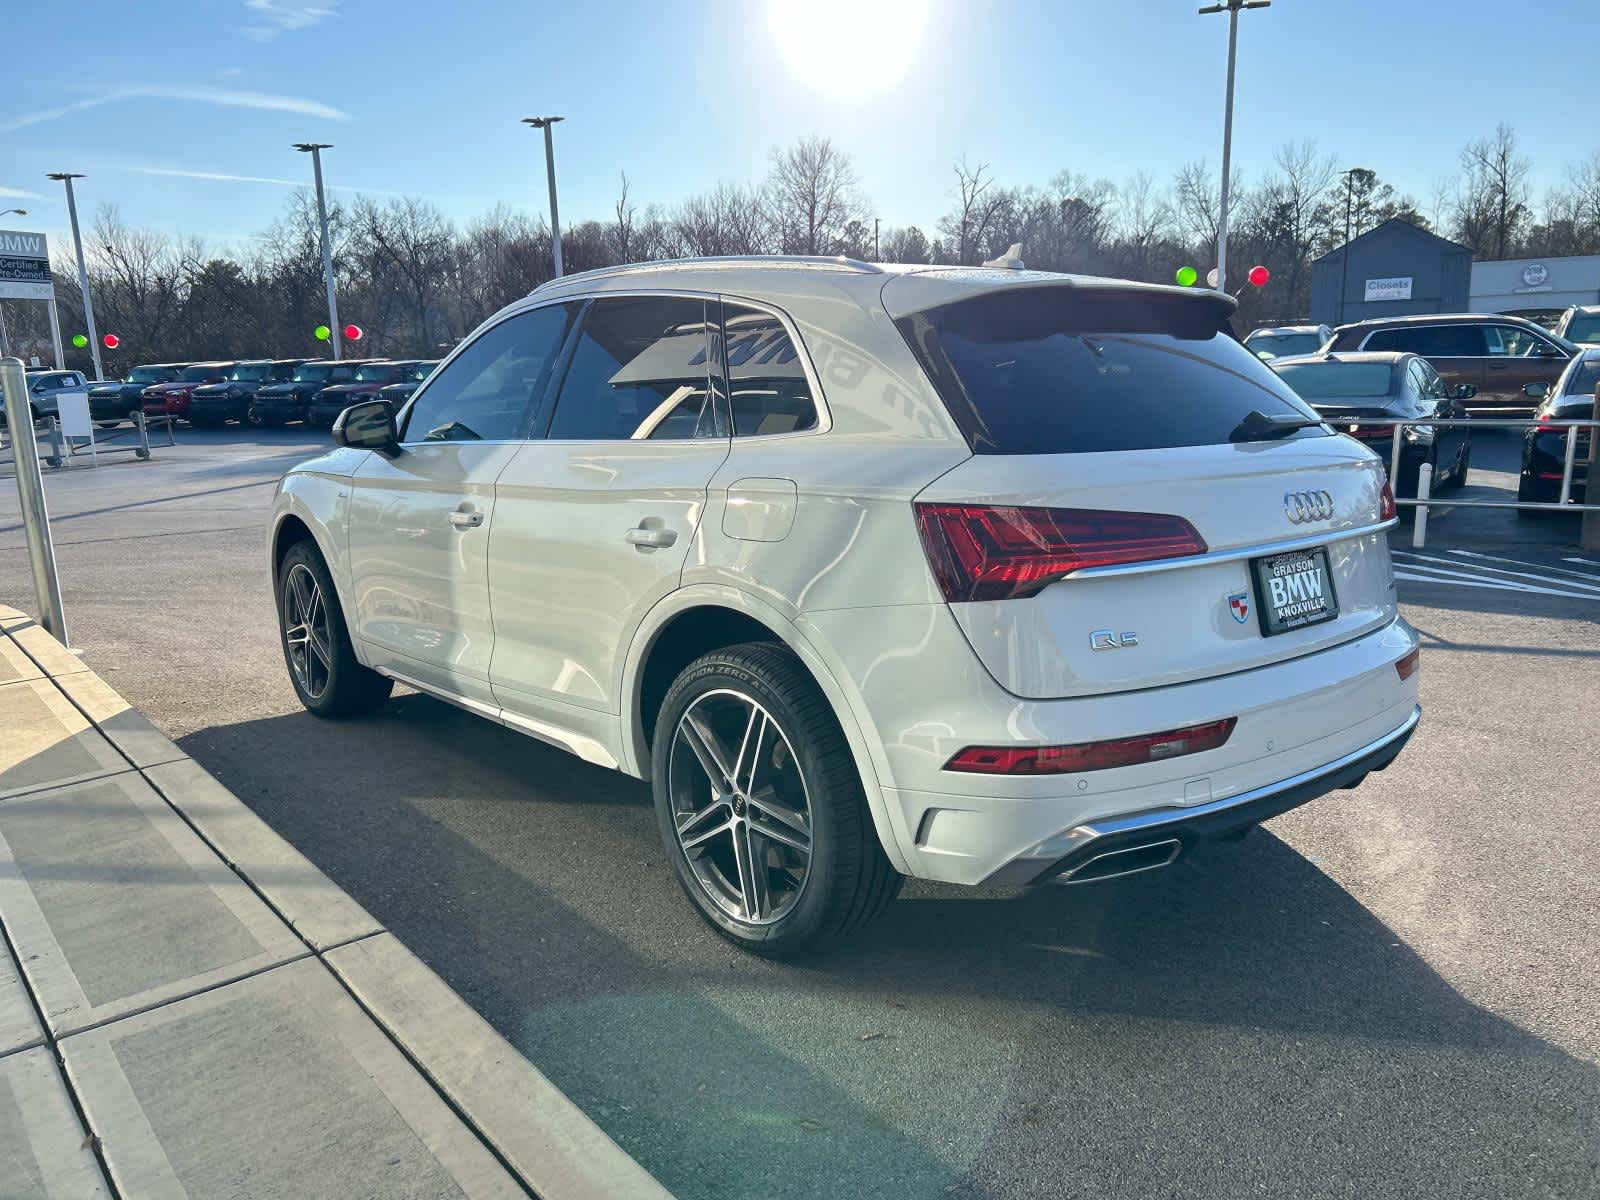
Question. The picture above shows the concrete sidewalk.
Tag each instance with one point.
(189, 1007)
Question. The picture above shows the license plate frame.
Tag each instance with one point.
(1289, 564)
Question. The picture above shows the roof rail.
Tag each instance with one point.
(814, 261)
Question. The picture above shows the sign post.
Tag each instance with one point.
(25, 275)
(30, 492)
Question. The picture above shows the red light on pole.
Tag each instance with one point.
(1258, 276)
(112, 341)
(352, 333)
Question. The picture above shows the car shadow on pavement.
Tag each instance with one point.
(1236, 1024)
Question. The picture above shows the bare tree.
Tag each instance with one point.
(623, 228)
(811, 196)
(1491, 200)
(976, 206)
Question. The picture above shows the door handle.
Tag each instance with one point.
(466, 518)
(1499, 366)
(659, 538)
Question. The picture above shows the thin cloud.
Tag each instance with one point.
(223, 177)
(273, 17)
(10, 193)
(225, 97)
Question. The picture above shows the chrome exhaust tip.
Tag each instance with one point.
(1130, 860)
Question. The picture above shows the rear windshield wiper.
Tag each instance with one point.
(1257, 426)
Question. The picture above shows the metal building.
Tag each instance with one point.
(1392, 269)
(1534, 286)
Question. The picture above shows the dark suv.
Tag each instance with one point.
(369, 380)
(216, 404)
(117, 400)
(280, 403)
(1511, 362)
(396, 394)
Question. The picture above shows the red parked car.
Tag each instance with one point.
(172, 399)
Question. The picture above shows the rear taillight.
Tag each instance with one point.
(1386, 508)
(1092, 756)
(1407, 666)
(981, 552)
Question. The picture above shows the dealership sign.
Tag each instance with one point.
(24, 266)
(1395, 288)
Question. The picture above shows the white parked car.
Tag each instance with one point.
(975, 575)
(1282, 341)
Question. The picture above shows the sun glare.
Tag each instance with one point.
(848, 49)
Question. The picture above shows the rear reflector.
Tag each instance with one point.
(1407, 666)
(980, 552)
(1386, 508)
(1092, 756)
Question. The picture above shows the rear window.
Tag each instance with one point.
(1584, 327)
(1329, 380)
(1582, 379)
(1282, 345)
(1078, 370)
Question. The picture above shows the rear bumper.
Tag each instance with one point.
(1066, 857)
(920, 696)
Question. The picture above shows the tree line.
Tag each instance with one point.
(417, 282)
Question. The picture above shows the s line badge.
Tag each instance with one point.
(1239, 606)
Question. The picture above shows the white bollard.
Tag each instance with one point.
(1419, 527)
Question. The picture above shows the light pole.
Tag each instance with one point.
(877, 252)
(315, 149)
(1232, 8)
(21, 212)
(1344, 255)
(67, 177)
(546, 123)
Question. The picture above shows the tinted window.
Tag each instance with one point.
(1512, 341)
(253, 373)
(201, 374)
(1584, 327)
(1079, 370)
(150, 375)
(1322, 380)
(1282, 345)
(487, 391)
(767, 384)
(1432, 384)
(375, 373)
(639, 371)
(1435, 341)
(1582, 379)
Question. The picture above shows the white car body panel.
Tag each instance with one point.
(544, 617)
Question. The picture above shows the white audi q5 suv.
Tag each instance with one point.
(976, 575)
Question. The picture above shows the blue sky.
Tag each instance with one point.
(424, 98)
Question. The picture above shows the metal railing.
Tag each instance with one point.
(1563, 501)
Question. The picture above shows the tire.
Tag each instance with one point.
(330, 682)
(811, 796)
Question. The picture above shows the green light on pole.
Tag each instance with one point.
(323, 333)
(1186, 276)
(80, 340)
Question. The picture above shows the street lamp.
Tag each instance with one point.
(315, 149)
(67, 177)
(546, 123)
(1232, 8)
(21, 212)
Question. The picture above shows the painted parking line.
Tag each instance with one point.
(1591, 576)
(1416, 568)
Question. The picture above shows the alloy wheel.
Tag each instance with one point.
(306, 631)
(740, 807)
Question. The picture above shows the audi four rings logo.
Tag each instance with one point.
(1301, 507)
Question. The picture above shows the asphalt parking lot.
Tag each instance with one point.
(1390, 992)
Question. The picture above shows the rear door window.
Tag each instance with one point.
(1082, 370)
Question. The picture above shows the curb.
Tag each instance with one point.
(523, 1119)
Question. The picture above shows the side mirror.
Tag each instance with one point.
(1466, 391)
(1536, 391)
(367, 426)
